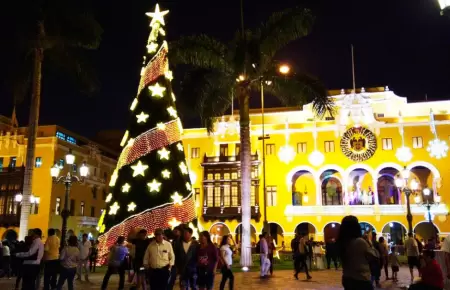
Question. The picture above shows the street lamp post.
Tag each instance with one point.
(67, 179)
(427, 203)
(402, 184)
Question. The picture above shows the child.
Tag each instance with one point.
(395, 265)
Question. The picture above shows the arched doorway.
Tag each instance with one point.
(394, 232)
(303, 188)
(388, 193)
(331, 231)
(360, 187)
(238, 234)
(365, 227)
(331, 188)
(424, 177)
(217, 231)
(305, 228)
(426, 231)
(10, 235)
(276, 232)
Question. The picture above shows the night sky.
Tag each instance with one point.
(401, 43)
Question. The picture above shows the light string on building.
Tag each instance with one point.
(437, 148)
(316, 158)
(286, 153)
(403, 153)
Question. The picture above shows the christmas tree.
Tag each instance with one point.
(150, 187)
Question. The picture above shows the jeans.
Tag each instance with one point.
(92, 264)
(300, 263)
(83, 265)
(352, 284)
(159, 278)
(66, 274)
(265, 265)
(173, 278)
(7, 265)
(271, 263)
(51, 274)
(385, 263)
(189, 279)
(112, 270)
(227, 274)
(329, 259)
(30, 274)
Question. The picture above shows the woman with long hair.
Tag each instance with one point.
(226, 256)
(70, 256)
(207, 259)
(355, 254)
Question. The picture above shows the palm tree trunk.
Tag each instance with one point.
(246, 251)
(31, 145)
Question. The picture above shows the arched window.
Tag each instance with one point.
(331, 191)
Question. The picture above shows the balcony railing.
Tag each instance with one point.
(362, 210)
(10, 219)
(86, 220)
(227, 159)
(228, 213)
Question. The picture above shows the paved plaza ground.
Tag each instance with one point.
(282, 280)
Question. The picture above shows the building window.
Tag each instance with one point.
(105, 176)
(2, 205)
(234, 195)
(271, 195)
(61, 163)
(217, 176)
(253, 195)
(72, 207)
(82, 208)
(92, 211)
(38, 162)
(223, 149)
(35, 205)
(417, 142)
(209, 196)
(195, 152)
(301, 147)
(270, 149)
(387, 143)
(74, 168)
(329, 146)
(226, 176)
(58, 206)
(226, 196)
(104, 195)
(209, 176)
(234, 175)
(237, 150)
(217, 197)
(10, 205)
(94, 192)
(12, 162)
(254, 172)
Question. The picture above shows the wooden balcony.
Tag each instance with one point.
(224, 159)
(10, 220)
(229, 213)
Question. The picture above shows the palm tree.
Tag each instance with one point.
(218, 71)
(57, 31)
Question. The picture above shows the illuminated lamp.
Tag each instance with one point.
(437, 148)
(403, 154)
(316, 158)
(286, 153)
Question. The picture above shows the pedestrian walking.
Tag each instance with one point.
(302, 256)
(186, 259)
(6, 259)
(176, 243)
(207, 260)
(264, 256)
(355, 254)
(226, 256)
(70, 258)
(412, 252)
(432, 277)
(140, 246)
(93, 256)
(272, 250)
(85, 252)
(384, 255)
(32, 262)
(395, 264)
(51, 260)
(159, 260)
(331, 253)
(295, 254)
(22, 247)
(117, 263)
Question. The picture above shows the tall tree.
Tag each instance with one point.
(219, 71)
(56, 31)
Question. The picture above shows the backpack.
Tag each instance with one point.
(258, 247)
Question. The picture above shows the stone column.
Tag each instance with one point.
(375, 191)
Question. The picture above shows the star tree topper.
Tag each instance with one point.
(157, 16)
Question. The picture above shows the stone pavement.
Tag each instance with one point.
(282, 280)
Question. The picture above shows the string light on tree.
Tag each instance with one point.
(183, 168)
(157, 16)
(126, 188)
(114, 208)
(113, 180)
(177, 198)
(173, 97)
(172, 112)
(108, 198)
(161, 126)
(157, 90)
(139, 169)
(142, 117)
(188, 186)
(124, 138)
(165, 174)
(131, 206)
(164, 154)
(173, 223)
(152, 47)
(169, 75)
(154, 186)
(134, 104)
(180, 146)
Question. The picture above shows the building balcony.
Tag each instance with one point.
(224, 159)
(86, 220)
(8, 220)
(96, 181)
(362, 210)
(228, 213)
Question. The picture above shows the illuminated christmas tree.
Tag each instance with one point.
(150, 187)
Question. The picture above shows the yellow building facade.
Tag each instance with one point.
(319, 170)
(87, 199)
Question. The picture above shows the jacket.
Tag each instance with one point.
(185, 261)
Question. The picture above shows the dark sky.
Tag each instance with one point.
(401, 43)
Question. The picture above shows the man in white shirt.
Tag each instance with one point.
(85, 252)
(446, 249)
(31, 265)
(412, 252)
(159, 259)
(263, 253)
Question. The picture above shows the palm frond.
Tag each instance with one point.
(299, 90)
(209, 94)
(199, 51)
(281, 29)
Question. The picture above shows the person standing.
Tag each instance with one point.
(23, 246)
(355, 254)
(117, 263)
(412, 252)
(446, 249)
(263, 254)
(186, 260)
(93, 256)
(384, 255)
(432, 277)
(85, 252)
(207, 260)
(6, 259)
(331, 253)
(176, 243)
(159, 259)
(140, 246)
(51, 260)
(272, 250)
(31, 265)
(295, 254)
(395, 264)
(303, 255)
(70, 257)
(226, 256)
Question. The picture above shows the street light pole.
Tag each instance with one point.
(265, 223)
(409, 217)
(65, 213)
